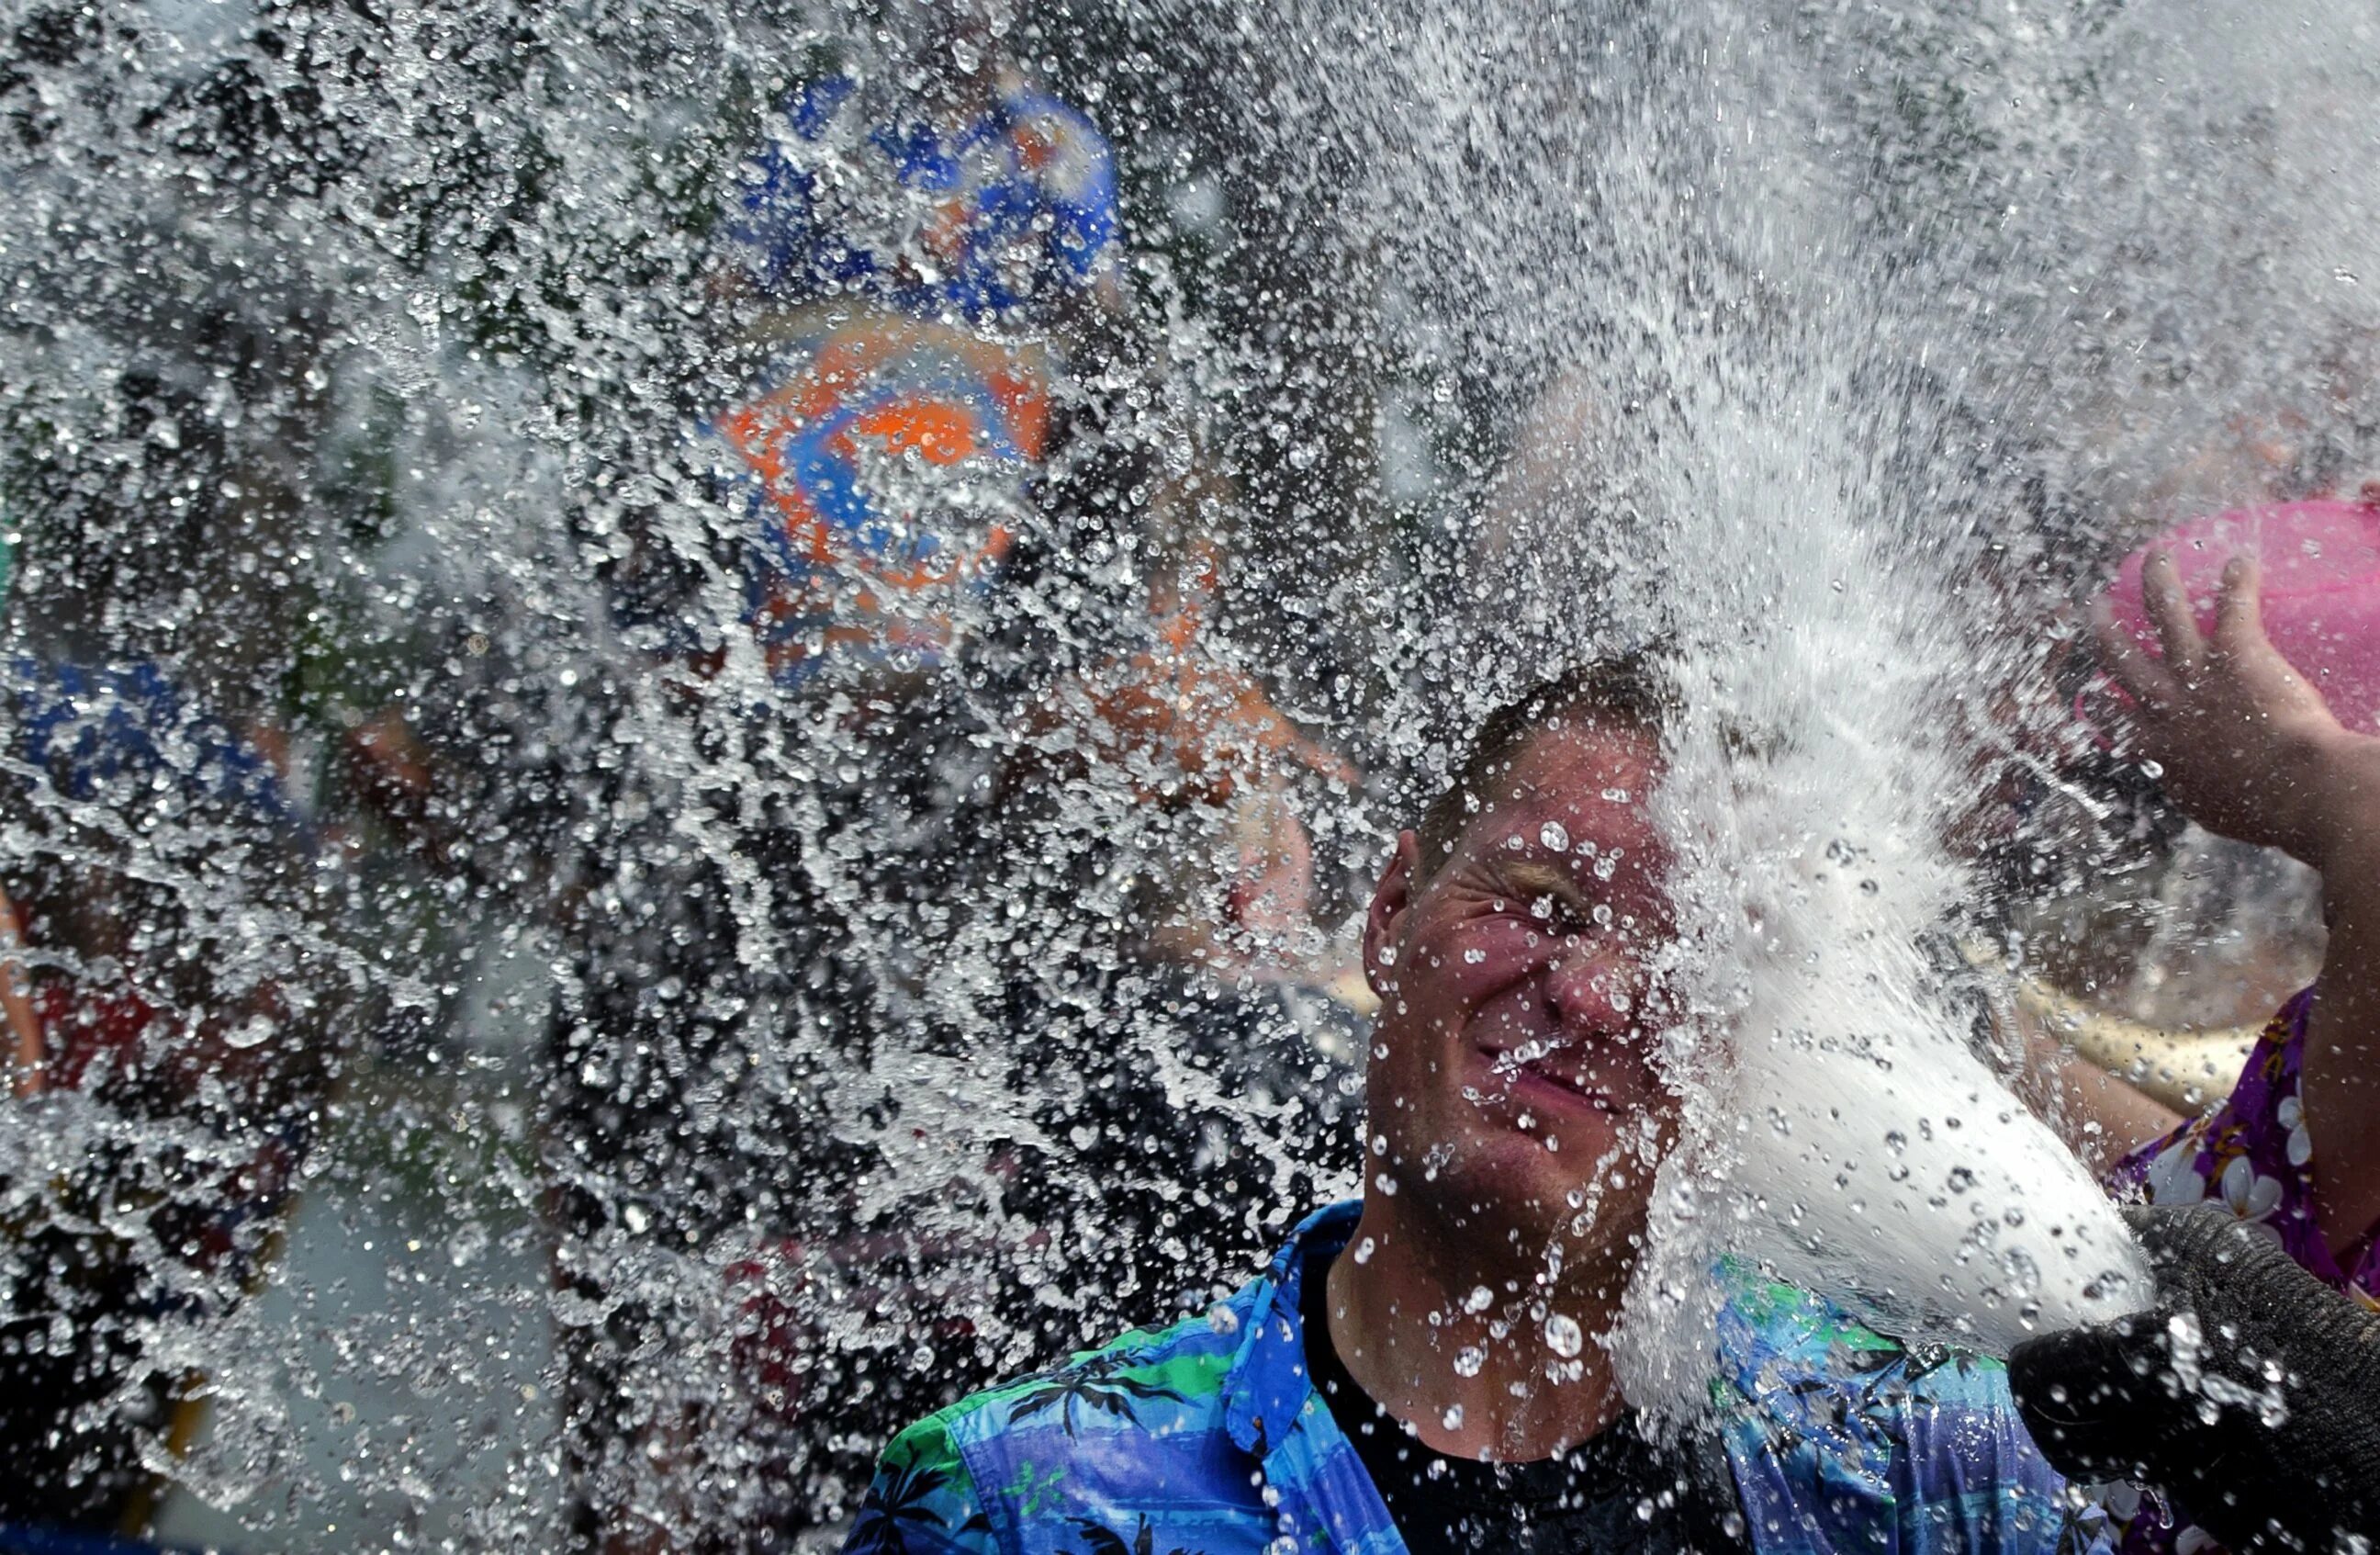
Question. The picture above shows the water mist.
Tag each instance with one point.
(1751, 454)
(1841, 1126)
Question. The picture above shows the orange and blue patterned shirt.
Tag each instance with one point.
(889, 446)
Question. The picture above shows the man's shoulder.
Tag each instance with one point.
(1147, 1379)
(1116, 1431)
(1150, 1441)
(1832, 1426)
(1765, 1319)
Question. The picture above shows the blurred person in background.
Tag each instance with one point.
(171, 1065)
(914, 257)
(978, 582)
(2249, 749)
(956, 602)
(2193, 952)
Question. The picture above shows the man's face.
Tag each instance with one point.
(1511, 1073)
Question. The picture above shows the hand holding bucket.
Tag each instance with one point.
(2320, 592)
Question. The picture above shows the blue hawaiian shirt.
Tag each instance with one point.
(1207, 1436)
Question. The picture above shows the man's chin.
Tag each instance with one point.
(1533, 1179)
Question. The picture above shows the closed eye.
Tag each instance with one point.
(1549, 897)
(1557, 915)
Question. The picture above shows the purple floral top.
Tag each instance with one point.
(2252, 1155)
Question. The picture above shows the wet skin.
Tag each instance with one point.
(1511, 1055)
(1514, 1104)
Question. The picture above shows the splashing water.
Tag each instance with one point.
(686, 1064)
(1847, 1131)
(1729, 465)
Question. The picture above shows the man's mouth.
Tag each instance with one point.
(1547, 1074)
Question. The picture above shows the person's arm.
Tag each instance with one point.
(2099, 1115)
(31, 1053)
(2249, 749)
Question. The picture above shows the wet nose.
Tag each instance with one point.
(1593, 988)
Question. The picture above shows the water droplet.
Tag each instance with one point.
(1479, 1299)
(1468, 1360)
(464, 1247)
(1453, 1418)
(1552, 835)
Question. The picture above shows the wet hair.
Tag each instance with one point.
(1628, 691)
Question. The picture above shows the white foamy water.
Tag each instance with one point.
(1834, 647)
(1842, 1126)
(359, 362)
(1751, 452)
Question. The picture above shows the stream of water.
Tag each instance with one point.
(906, 974)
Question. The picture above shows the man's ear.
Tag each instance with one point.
(1384, 924)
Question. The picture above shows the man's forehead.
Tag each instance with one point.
(1592, 780)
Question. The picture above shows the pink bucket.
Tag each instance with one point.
(2321, 591)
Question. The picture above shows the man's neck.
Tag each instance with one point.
(1467, 1342)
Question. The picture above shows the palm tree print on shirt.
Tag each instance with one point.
(898, 1505)
(1098, 1385)
(1101, 1540)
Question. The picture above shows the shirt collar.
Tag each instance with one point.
(1267, 1383)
